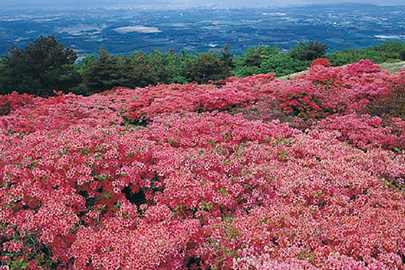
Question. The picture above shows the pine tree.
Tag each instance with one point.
(104, 73)
(309, 52)
(43, 66)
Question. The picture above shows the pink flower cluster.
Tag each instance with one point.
(365, 132)
(13, 101)
(346, 89)
(200, 188)
(321, 61)
(147, 103)
(323, 91)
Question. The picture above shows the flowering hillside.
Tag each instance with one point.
(249, 173)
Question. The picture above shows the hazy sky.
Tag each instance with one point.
(229, 3)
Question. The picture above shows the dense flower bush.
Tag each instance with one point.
(199, 187)
(147, 103)
(393, 103)
(365, 132)
(321, 61)
(13, 101)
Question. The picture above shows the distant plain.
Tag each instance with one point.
(125, 29)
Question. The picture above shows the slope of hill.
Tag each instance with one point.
(251, 173)
(390, 67)
(393, 67)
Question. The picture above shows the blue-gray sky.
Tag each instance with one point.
(186, 3)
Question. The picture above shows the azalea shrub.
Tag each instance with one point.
(13, 101)
(365, 132)
(206, 176)
(391, 104)
(322, 62)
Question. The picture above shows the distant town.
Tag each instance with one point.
(124, 30)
